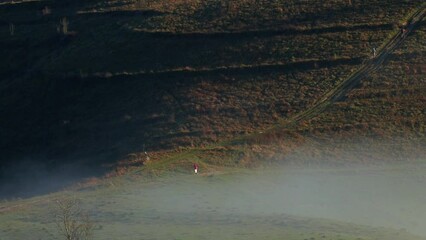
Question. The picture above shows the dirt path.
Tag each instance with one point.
(368, 67)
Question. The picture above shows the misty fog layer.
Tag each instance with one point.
(30, 178)
(320, 203)
(394, 198)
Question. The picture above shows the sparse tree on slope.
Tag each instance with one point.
(72, 222)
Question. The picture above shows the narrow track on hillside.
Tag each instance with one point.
(338, 93)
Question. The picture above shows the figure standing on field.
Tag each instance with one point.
(195, 168)
(374, 52)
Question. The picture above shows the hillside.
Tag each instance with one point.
(225, 80)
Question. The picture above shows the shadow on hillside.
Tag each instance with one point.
(71, 126)
(27, 178)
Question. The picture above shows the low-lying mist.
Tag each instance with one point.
(252, 204)
(393, 197)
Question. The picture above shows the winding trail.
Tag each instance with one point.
(369, 66)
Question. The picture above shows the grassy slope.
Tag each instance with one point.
(382, 119)
(272, 78)
(387, 105)
(274, 75)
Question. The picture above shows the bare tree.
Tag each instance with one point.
(72, 222)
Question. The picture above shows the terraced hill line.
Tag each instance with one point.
(12, 2)
(371, 65)
(236, 69)
(263, 33)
